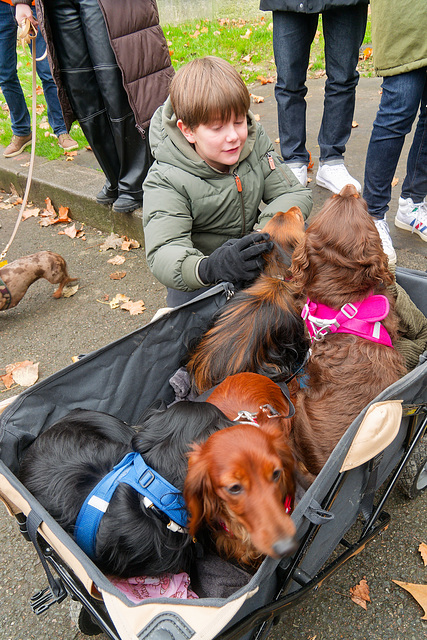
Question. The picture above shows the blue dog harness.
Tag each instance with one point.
(158, 494)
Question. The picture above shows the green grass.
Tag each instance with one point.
(246, 43)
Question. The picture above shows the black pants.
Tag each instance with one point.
(94, 86)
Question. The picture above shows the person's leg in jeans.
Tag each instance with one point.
(400, 101)
(415, 183)
(343, 30)
(54, 112)
(293, 34)
(9, 81)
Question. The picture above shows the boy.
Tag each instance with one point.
(213, 166)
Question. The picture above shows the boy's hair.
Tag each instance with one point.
(208, 89)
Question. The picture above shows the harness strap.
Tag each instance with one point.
(132, 470)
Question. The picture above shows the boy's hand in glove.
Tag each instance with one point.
(236, 260)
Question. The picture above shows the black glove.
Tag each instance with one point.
(236, 260)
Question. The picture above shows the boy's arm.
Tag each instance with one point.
(168, 223)
(282, 190)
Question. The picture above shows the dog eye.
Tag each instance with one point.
(235, 489)
(276, 475)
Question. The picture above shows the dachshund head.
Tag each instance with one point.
(341, 258)
(286, 229)
(237, 485)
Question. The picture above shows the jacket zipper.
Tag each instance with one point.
(242, 204)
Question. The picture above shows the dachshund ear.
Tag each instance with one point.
(199, 494)
(288, 461)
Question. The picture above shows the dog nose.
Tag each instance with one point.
(284, 546)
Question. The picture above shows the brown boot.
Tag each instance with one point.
(66, 142)
(17, 145)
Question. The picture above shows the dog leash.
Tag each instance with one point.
(26, 34)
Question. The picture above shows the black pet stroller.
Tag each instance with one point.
(382, 447)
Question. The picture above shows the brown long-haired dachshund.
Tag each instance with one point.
(341, 261)
(242, 488)
(260, 328)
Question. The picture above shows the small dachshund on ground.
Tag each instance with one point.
(260, 328)
(16, 277)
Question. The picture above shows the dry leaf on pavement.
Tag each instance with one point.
(257, 99)
(134, 308)
(26, 375)
(69, 290)
(72, 232)
(417, 591)
(128, 244)
(28, 213)
(112, 242)
(117, 260)
(423, 550)
(118, 299)
(117, 275)
(360, 593)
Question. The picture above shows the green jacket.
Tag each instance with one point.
(190, 209)
(399, 35)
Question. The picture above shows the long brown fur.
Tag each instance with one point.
(341, 260)
(236, 486)
(21, 273)
(259, 329)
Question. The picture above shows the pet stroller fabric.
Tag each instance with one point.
(126, 377)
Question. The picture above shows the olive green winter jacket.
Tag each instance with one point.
(190, 209)
(399, 35)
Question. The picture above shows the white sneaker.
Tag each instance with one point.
(334, 177)
(300, 172)
(384, 231)
(412, 217)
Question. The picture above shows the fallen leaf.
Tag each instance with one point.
(44, 125)
(26, 375)
(117, 275)
(354, 124)
(71, 232)
(112, 242)
(39, 91)
(13, 191)
(40, 108)
(49, 206)
(247, 58)
(128, 244)
(118, 299)
(247, 35)
(394, 181)
(63, 214)
(28, 213)
(9, 377)
(417, 591)
(320, 73)
(70, 290)
(277, 141)
(257, 99)
(68, 158)
(423, 550)
(264, 80)
(134, 308)
(117, 260)
(257, 117)
(367, 53)
(360, 593)
(310, 162)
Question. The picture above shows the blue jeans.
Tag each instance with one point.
(9, 81)
(402, 96)
(293, 33)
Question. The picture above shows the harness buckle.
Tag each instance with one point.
(246, 416)
(349, 315)
(150, 477)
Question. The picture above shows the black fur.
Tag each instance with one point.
(65, 462)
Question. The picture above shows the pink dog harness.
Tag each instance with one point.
(359, 318)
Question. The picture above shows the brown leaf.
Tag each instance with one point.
(367, 53)
(360, 593)
(417, 591)
(117, 275)
(71, 232)
(134, 308)
(423, 550)
(9, 378)
(257, 99)
(128, 244)
(40, 108)
(394, 181)
(63, 214)
(69, 290)
(39, 91)
(28, 213)
(118, 299)
(247, 35)
(112, 242)
(354, 124)
(49, 206)
(117, 260)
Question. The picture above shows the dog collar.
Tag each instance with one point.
(5, 293)
(158, 494)
(322, 320)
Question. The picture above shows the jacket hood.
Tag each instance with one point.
(169, 145)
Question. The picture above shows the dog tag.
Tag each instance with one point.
(3, 263)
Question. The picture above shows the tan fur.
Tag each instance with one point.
(21, 273)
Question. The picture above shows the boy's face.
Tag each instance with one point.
(218, 143)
